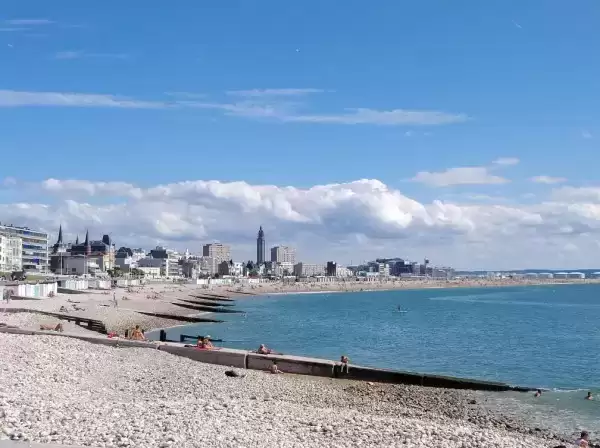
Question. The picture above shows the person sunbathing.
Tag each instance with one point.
(137, 334)
(264, 350)
(204, 344)
(46, 327)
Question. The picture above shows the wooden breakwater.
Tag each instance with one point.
(91, 324)
(209, 309)
(218, 299)
(206, 303)
(181, 318)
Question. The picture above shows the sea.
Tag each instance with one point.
(539, 336)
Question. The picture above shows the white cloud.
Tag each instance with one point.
(575, 194)
(29, 22)
(82, 54)
(506, 161)
(68, 55)
(475, 175)
(586, 135)
(548, 180)
(13, 98)
(355, 220)
(393, 117)
(249, 108)
(273, 92)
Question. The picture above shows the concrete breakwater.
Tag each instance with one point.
(289, 364)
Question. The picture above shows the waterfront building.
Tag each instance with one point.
(308, 269)
(34, 247)
(220, 252)
(11, 254)
(283, 254)
(260, 247)
(170, 266)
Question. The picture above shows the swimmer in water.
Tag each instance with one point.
(589, 396)
(538, 393)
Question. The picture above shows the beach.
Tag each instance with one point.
(66, 391)
(160, 298)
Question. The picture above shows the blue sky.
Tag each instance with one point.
(300, 94)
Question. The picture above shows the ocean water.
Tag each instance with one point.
(539, 336)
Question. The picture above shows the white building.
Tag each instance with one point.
(342, 271)
(308, 269)
(384, 269)
(283, 254)
(34, 247)
(150, 271)
(11, 254)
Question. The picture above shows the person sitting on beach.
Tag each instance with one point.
(344, 363)
(137, 334)
(275, 368)
(589, 396)
(538, 393)
(583, 441)
(204, 344)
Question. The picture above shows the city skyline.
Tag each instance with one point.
(464, 133)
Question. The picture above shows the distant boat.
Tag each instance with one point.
(400, 310)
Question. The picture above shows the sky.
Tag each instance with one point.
(466, 132)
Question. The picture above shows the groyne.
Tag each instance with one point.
(289, 364)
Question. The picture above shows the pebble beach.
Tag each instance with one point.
(70, 392)
(65, 391)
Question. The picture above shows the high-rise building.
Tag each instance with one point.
(331, 269)
(283, 254)
(260, 247)
(34, 246)
(219, 252)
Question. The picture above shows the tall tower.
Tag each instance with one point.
(260, 247)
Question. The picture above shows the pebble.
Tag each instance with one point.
(75, 393)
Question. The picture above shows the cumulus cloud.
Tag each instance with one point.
(475, 175)
(348, 221)
(548, 180)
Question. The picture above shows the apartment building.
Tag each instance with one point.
(283, 254)
(220, 252)
(309, 270)
(34, 246)
(11, 254)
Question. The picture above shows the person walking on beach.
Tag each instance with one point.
(115, 303)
